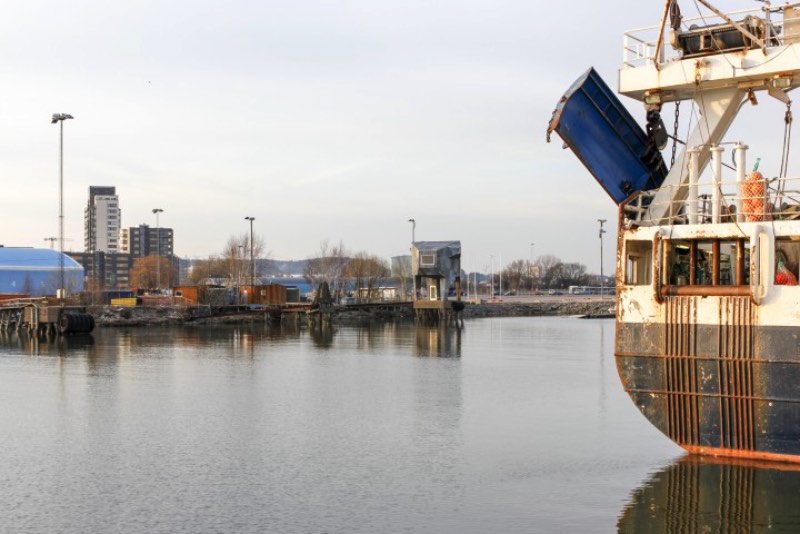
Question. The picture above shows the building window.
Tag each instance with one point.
(427, 260)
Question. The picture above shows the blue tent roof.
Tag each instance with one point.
(35, 271)
(34, 259)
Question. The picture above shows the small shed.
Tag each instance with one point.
(268, 294)
(436, 268)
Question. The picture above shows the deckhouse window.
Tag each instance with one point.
(706, 262)
(638, 262)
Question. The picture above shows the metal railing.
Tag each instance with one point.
(639, 45)
(772, 199)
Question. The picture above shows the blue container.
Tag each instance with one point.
(36, 272)
(612, 146)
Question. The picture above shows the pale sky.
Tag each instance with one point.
(325, 120)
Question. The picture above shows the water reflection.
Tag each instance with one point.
(437, 341)
(705, 494)
(321, 333)
(45, 345)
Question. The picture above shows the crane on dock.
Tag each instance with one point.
(53, 241)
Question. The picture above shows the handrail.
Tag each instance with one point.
(658, 256)
(705, 291)
(759, 286)
(781, 201)
(649, 35)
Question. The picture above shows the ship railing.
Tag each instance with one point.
(640, 45)
(770, 199)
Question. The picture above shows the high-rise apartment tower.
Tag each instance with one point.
(102, 220)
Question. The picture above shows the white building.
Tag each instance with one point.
(102, 220)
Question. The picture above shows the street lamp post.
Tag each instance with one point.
(239, 273)
(158, 250)
(600, 235)
(530, 268)
(491, 276)
(252, 265)
(60, 118)
(413, 239)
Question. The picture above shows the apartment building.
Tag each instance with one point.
(102, 220)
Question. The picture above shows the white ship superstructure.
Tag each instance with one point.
(708, 313)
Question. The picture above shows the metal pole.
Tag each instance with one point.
(741, 157)
(530, 268)
(413, 277)
(62, 289)
(251, 297)
(252, 265)
(60, 118)
(602, 281)
(158, 250)
(716, 181)
(491, 276)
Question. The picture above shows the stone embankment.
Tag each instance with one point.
(111, 316)
(587, 306)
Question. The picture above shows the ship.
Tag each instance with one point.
(707, 341)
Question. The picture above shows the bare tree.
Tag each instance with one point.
(236, 256)
(569, 274)
(516, 274)
(213, 267)
(401, 270)
(327, 266)
(546, 264)
(144, 273)
(368, 272)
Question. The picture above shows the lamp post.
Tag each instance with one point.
(252, 265)
(413, 238)
(158, 250)
(239, 273)
(530, 268)
(600, 235)
(491, 276)
(60, 118)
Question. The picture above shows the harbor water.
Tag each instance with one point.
(505, 425)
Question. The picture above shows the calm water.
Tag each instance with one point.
(507, 425)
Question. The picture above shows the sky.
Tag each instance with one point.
(328, 121)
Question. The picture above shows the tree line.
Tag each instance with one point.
(358, 274)
(546, 272)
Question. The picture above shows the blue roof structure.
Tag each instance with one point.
(35, 271)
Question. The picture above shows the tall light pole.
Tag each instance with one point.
(530, 268)
(252, 265)
(491, 276)
(158, 250)
(411, 249)
(600, 235)
(60, 118)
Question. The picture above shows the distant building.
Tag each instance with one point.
(102, 220)
(436, 267)
(37, 272)
(125, 240)
(143, 241)
(109, 270)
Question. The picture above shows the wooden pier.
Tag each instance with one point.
(42, 317)
(438, 312)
